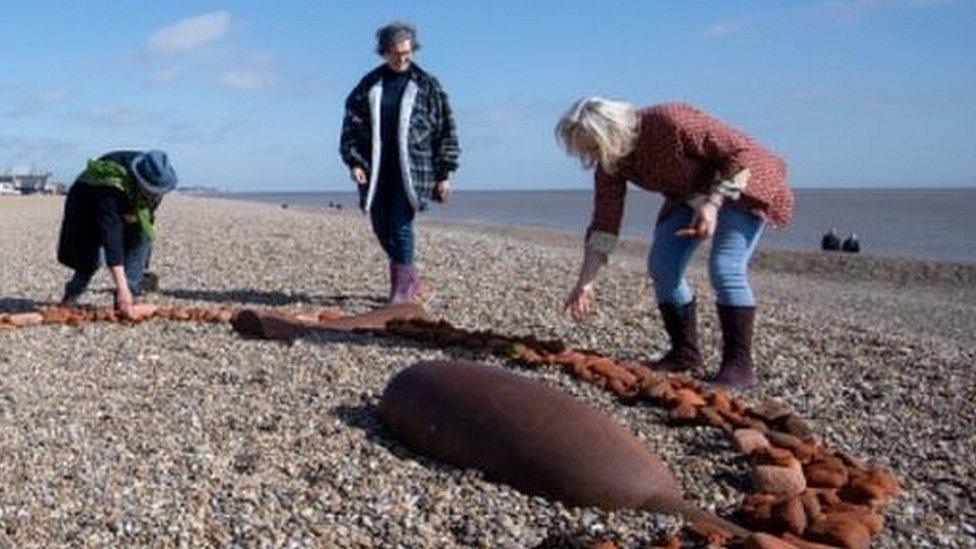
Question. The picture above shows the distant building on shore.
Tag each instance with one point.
(29, 182)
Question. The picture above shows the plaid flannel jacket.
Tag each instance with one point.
(432, 143)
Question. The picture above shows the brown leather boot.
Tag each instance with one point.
(681, 325)
(736, 369)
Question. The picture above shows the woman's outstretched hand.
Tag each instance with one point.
(704, 223)
(579, 303)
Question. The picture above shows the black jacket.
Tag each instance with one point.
(431, 134)
(93, 219)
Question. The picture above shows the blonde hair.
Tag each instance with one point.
(598, 131)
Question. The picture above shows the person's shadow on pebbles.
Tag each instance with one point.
(248, 296)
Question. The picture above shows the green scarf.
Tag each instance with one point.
(106, 173)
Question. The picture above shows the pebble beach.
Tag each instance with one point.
(187, 434)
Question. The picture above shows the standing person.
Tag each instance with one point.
(718, 183)
(400, 144)
(111, 209)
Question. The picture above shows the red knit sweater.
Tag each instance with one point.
(679, 152)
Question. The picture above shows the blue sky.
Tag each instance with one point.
(247, 95)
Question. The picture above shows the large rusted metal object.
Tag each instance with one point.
(535, 438)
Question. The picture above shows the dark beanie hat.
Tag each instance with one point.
(153, 173)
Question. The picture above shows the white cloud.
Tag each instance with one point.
(244, 79)
(852, 11)
(115, 116)
(50, 97)
(29, 148)
(834, 11)
(190, 34)
(39, 101)
(722, 29)
(163, 77)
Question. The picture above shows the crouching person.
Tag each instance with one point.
(110, 209)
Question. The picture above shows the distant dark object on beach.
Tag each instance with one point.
(851, 244)
(284, 205)
(334, 205)
(830, 241)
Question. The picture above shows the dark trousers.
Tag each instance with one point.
(136, 260)
(392, 217)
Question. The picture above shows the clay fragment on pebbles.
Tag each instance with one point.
(789, 514)
(761, 540)
(683, 414)
(687, 397)
(21, 320)
(749, 441)
(720, 401)
(769, 411)
(870, 487)
(757, 509)
(801, 543)
(142, 311)
(841, 531)
(715, 419)
(826, 473)
(785, 480)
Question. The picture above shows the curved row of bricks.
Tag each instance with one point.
(804, 492)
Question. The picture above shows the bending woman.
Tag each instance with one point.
(717, 182)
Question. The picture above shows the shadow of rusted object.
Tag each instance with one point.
(14, 305)
(535, 438)
(279, 326)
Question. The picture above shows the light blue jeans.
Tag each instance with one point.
(733, 243)
(136, 259)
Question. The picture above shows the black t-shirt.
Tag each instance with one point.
(394, 84)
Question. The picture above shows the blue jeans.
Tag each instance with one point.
(392, 217)
(136, 259)
(736, 235)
